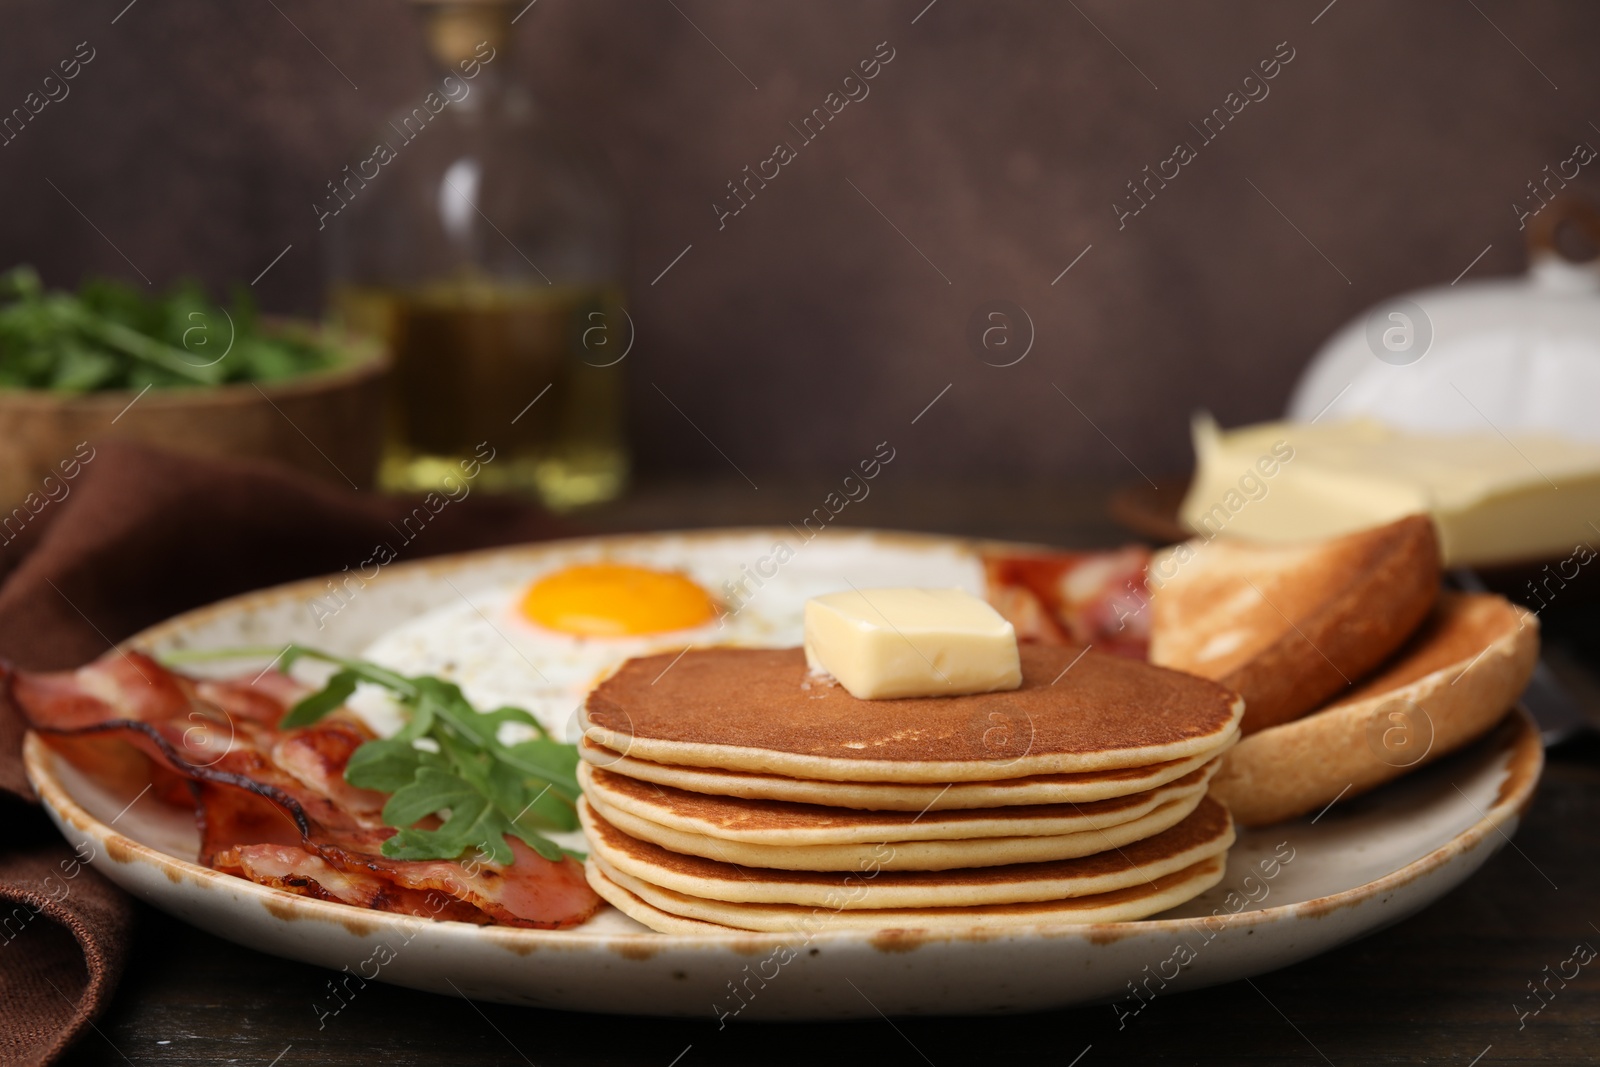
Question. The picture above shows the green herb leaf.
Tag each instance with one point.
(366, 672)
(385, 765)
(110, 335)
(544, 846)
(480, 790)
(318, 704)
(430, 791)
(553, 761)
(510, 714)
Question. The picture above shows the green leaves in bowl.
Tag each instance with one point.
(109, 335)
(448, 762)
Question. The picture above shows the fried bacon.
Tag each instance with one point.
(298, 871)
(272, 805)
(1074, 598)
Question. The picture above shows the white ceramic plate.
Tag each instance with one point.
(1291, 891)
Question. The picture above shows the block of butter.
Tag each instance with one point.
(886, 643)
(1493, 498)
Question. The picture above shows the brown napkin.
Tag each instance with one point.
(140, 536)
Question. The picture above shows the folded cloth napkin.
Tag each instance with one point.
(141, 535)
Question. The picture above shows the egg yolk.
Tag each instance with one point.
(616, 600)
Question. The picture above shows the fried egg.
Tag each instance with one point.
(616, 600)
(543, 643)
(539, 634)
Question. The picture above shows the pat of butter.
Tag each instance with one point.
(885, 643)
(1493, 499)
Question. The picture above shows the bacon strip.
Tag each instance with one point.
(273, 806)
(298, 871)
(1074, 598)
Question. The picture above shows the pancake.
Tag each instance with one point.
(1207, 832)
(1449, 686)
(895, 855)
(1081, 788)
(634, 908)
(777, 822)
(670, 912)
(750, 709)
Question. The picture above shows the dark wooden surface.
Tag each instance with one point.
(1441, 987)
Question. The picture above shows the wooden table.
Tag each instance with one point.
(1439, 987)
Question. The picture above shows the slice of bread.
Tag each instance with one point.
(1289, 626)
(1450, 684)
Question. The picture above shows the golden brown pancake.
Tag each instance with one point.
(776, 822)
(1451, 683)
(665, 910)
(758, 710)
(1205, 833)
(1085, 787)
(1289, 626)
(654, 918)
(896, 855)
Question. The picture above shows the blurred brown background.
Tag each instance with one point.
(995, 142)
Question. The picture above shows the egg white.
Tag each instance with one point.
(484, 644)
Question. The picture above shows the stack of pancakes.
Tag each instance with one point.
(728, 788)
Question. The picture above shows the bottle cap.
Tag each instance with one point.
(457, 28)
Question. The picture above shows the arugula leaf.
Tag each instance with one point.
(480, 790)
(385, 765)
(367, 672)
(430, 790)
(318, 704)
(111, 336)
(547, 759)
(509, 714)
(471, 821)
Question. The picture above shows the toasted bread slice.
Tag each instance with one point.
(1288, 626)
(1450, 684)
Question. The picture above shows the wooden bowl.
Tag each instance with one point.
(328, 424)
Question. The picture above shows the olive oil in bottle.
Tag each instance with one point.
(484, 249)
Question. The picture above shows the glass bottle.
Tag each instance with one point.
(486, 249)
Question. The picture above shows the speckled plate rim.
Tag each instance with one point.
(1516, 734)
